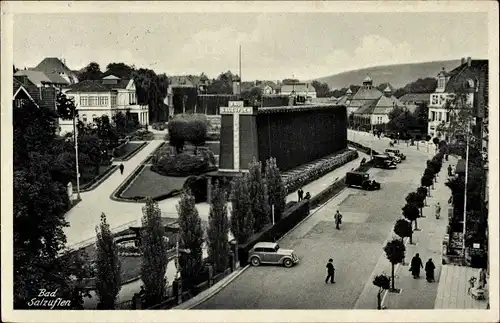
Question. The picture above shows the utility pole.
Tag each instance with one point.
(75, 136)
(465, 189)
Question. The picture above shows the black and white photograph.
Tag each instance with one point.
(199, 157)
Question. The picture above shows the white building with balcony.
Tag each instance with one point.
(108, 96)
(462, 78)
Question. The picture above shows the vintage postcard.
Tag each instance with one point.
(254, 161)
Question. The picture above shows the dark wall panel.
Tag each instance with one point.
(248, 140)
(226, 142)
(296, 138)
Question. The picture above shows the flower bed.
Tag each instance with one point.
(300, 177)
(185, 164)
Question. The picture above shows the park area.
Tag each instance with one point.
(149, 183)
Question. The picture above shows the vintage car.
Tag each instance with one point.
(397, 152)
(271, 253)
(383, 161)
(393, 156)
(361, 180)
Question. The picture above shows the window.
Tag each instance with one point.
(440, 116)
(93, 101)
(84, 118)
(84, 101)
(103, 101)
(269, 250)
(441, 83)
(447, 114)
(113, 100)
(434, 99)
(258, 250)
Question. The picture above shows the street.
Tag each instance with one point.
(368, 219)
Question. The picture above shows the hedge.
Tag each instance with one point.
(98, 180)
(184, 164)
(132, 153)
(296, 180)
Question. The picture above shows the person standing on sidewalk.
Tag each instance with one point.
(330, 272)
(300, 194)
(415, 265)
(429, 270)
(338, 219)
(438, 210)
(121, 168)
(450, 171)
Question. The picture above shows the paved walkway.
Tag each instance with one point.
(84, 217)
(452, 290)
(418, 293)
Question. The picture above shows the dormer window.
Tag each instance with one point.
(441, 82)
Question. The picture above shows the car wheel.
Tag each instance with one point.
(288, 263)
(255, 261)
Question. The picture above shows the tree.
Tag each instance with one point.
(151, 90)
(257, 188)
(427, 182)
(90, 72)
(106, 133)
(290, 81)
(242, 222)
(154, 253)
(120, 70)
(422, 191)
(177, 129)
(223, 84)
(403, 229)
(411, 213)
(108, 276)
(190, 237)
(218, 229)
(276, 188)
(395, 252)
(415, 199)
(39, 204)
(322, 89)
(383, 282)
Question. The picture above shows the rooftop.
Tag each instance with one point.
(99, 85)
(36, 77)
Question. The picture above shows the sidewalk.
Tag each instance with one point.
(84, 217)
(418, 293)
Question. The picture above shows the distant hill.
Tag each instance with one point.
(397, 75)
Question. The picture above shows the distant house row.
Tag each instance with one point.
(93, 98)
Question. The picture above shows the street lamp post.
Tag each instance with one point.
(465, 189)
(75, 136)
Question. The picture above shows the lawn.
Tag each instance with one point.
(149, 183)
(214, 147)
(87, 175)
(128, 148)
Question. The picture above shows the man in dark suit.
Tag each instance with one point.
(330, 272)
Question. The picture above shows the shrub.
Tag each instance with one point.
(242, 221)
(177, 133)
(435, 141)
(428, 138)
(184, 164)
(259, 197)
(276, 188)
(218, 229)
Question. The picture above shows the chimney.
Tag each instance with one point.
(462, 62)
(468, 61)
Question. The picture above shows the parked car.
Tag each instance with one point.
(271, 253)
(397, 152)
(383, 161)
(393, 156)
(362, 180)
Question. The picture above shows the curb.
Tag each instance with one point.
(230, 278)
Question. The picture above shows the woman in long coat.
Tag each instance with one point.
(429, 270)
(416, 264)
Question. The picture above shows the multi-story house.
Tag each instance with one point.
(57, 71)
(36, 87)
(299, 89)
(470, 77)
(108, 96)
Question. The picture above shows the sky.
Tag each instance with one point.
(274, 45)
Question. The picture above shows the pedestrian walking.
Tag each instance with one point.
(121, 168)
(338, 219)
(429, 270)
(300, 194)
(438, 210)
(450, 170)
(415, 265)
(482, 278)
(330, 272)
